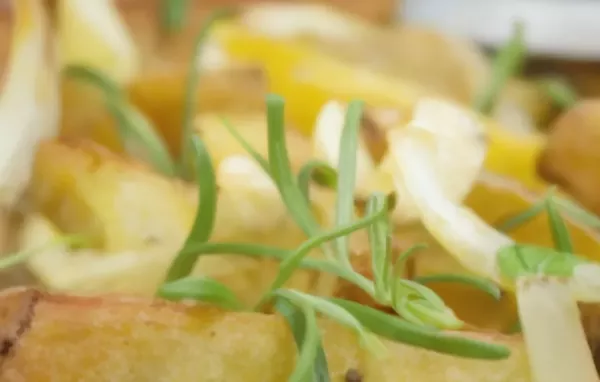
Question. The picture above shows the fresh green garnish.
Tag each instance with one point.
(397, 329)
(205, 215)
(507, 63)
(522, 260)
(264, 164)
(172, 14)
(312, 363)
(316, 171)
(553, 204)
(191, 93)
(137, 134)
(201, 289)
(347, 176)
(560, 231)
(480, 283)
(415, 302)
(281, 172)
(561, 93)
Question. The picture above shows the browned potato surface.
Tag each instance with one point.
(63, 338)
(571, 158)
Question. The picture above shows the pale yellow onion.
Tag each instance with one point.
(29, 105)
(464, 235)
(92, 33)
(554, 337)
(459, 150)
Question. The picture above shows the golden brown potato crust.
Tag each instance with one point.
(571, 158)
(66, 338)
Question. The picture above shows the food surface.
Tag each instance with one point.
(289, 191)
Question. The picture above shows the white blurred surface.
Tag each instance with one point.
(568, 28)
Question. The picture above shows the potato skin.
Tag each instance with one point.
(571, 158)
(118, 339)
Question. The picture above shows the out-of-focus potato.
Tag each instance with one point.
(160, 97)
(308, 79)
(124, 339)
(571, 158)
(138, 220)
(253, 128)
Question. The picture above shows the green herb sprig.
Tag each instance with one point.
(422, 305)
(507, 63)
(138, 135)
(191, 92)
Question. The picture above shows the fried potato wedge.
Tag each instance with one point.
(136, 221)
(571, 157)
(59, 337)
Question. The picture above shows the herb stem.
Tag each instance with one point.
(191, 93)
(507, 63)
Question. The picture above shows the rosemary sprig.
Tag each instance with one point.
(419, 303)
(172, 14)
(561, 93)
(507, 63)
(138, 135)
(191, 93)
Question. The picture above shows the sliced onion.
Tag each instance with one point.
(92, 33)
(457, 150)
(29, 103)
(556, 343)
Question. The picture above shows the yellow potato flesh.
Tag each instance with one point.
(123, 339)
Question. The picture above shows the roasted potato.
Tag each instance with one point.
(571, 158)
(128, 339)
(136, 221)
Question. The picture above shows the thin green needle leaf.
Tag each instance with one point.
(396, 329)
(191, 92)
(320, 173)
(312, 363)
(398, 269)
(200, 289)
(577, 213)
(561, 93)
(205, 214)
(194, 250)
(346, 166)
(507, 63)
(519, 260)
(173, 14)
(279, 163)
(287, 267)
(421, 305)
(247, 146)
(17, 258)
(335, 312)
(482, 284)
(379, 238)
(108, 86)
(521, 218)
(560, 231)
(140, 139)
(138, 135)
